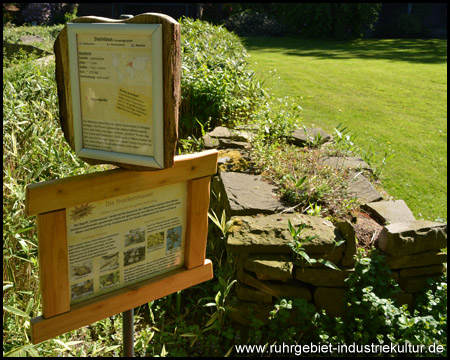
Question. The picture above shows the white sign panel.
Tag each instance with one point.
(117, 92)
(126, 239)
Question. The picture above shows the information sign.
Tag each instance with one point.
(117, 92)
(114, 240)
(119, 89)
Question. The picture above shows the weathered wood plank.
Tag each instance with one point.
(63, 193)
(88, 312)
(197, 221)
(53, 252)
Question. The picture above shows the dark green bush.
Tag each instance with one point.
(254, 23)
(217, 85)
(328, 20)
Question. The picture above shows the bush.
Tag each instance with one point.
(254, 23)
(48, 13)
(217, 86)
(328, 20)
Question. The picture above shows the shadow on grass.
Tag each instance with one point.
(429, 51)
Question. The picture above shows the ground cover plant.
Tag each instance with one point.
(194, 322)
(391, 94)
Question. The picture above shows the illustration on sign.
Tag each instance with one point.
(123, 240)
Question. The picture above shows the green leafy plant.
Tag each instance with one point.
(297, 246)
(217, 85)
(314, 209)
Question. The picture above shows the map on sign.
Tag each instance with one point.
(115, 83)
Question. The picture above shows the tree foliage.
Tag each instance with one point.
(328, 20)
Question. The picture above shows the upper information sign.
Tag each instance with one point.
(117, 92)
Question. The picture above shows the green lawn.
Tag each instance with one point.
(392, 93)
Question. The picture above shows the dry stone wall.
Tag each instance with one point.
(259, 237)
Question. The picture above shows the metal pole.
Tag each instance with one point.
(128, 333)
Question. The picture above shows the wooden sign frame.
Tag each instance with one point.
(171, 92)
(49, 201)
(129, 104)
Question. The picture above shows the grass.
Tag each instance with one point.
(391, 93)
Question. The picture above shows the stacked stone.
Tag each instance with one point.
(266, 270)
(259, 238)
(413, 248)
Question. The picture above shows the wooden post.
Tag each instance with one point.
(197, 227)
(53, 252)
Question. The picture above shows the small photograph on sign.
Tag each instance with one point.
(109, 280)
(82, 289)
(80, 270)
(109, 262)
(173, 239)
(134, 236)
(134, 256)
(155, 241)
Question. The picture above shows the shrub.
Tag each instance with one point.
(217, 85)
(331, 20)
(48, 13)
(254, 23)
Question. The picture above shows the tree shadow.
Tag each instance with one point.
(427, 51)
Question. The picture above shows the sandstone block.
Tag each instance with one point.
(270, 234)
(416, 260)
(334, 256)
(331, 299)
(412, 237)
(350, 162)
(422, 270)
(270, 266)
(222, 137)
(348, 232)
(390, 211)
(247, 194)
(246, 293)
(291, 288)
(323, 276)
(361, 188)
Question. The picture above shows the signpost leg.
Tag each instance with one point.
(128, 333)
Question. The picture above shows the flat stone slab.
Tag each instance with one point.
(277, 289)
(422, 270)
(322, 276)
(390, 212)
(416, 260)
(313, 135)
(270, 266)
(248, 194)
(361, 188)
(270, 234)
(413, 237)
(28, 39)
(225, 138)
(350, 162)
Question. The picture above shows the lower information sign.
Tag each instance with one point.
(113, 240)
(123, 240)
